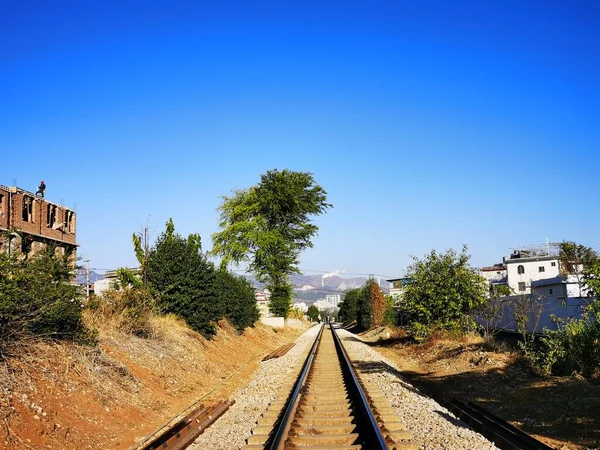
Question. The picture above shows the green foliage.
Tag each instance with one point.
(183, 280)
(349, 307)
(441, 289)
(575, 345)
(390, 318)
(573, 256)
(268, 226)
(185, 283)
(236, 298)
(313, 313)
(38, 297)
(280, 301)
(364, 313)
(128, 279)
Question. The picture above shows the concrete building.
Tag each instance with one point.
(30, 223)
(333, 300)
(523, 269)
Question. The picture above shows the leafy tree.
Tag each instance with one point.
(236, 295)
(183, 280)
(267, 226)
(313, 313)
(575, 258)
(364, 313)
(442, 289)
(389, 317)
(349, 307)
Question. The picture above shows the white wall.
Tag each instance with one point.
(531, 273)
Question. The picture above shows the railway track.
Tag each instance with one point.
(329, 408)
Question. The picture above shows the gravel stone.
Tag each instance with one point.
(433, 427)
(233, 428)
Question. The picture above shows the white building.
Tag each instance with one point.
(333, 300)
(301, 306)
(262, 301)
(522, 270)
(536, 284)
(496, 274)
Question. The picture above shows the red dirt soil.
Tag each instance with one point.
(65, 396)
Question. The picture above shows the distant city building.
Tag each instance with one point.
(333, 300)
(32, 223)
(301, 306)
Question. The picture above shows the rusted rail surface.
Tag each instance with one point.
(279, 352)
(185, 432)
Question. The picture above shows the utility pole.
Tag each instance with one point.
(87, 278)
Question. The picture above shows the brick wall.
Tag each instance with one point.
(37, 213)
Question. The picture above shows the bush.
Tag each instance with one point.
(236, 300)
(38, 298)
(185, 283)
(574, 347)
(129, 310)
(349, 307)
(442, 289)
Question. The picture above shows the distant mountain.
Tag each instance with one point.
(93, 276)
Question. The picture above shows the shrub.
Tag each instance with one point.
(129, 310)
(38, 297)
(349, 307)
(442, 289)
(236, 300)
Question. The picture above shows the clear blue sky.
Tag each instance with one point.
(430, 124)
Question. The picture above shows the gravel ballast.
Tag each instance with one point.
(234, 427)
(431, 425)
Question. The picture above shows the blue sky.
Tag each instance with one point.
(429, 125)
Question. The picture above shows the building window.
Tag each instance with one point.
(27, 210)
(542, 269)
(550, 291)
(521, 286)
(520, 270)
(553, 263)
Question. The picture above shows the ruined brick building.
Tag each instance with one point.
(29, 223)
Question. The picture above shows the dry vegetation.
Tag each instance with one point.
(64, 395)
(564, 412)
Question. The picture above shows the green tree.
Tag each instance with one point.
(442, 289)
(267, 226)
(313, 313)
(183, 280)
(349, 307)
(575, 259)
(236, 295)
(364, 307)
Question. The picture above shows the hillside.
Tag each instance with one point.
(60, 395)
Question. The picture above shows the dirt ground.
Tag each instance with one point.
(65, 396)
(562, 412)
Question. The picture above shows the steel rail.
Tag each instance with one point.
(283, 426)
(374, 438)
